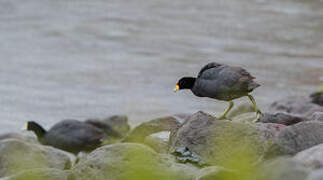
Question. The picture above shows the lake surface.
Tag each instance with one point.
(82, 59)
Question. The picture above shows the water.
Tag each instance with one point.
(83, 59)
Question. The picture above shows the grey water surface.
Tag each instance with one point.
(81, 59)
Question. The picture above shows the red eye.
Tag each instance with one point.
(177, 83)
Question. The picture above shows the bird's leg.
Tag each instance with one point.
(226, 111)
(256, 108)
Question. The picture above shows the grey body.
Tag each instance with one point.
(73, 136)
(223, 82)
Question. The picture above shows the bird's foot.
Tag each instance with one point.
(258, 115)
(224, 118)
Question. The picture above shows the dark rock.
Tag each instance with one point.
(184, 155)
(281, 118)
(312, 157)
(40, 174)
(300, 106)
(139, 133)
(16, 156)
(158, 141)
(317, 98)
(282, 168)
(296, 138)
(218, 141)
(116, 126)
(317, 116)
(129, 161)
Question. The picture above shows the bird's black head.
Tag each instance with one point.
(185, 83)
(36, 128)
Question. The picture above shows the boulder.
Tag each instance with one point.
(220, 142)
(158, 141)
(129, 161)
(296, 138)
(19, 136)
(312, 157)
(116, 126)
(299, 106)
(317, 116)
(16, 156)
(139, 133)
(40, 174)
(283, 168)
(281, 118)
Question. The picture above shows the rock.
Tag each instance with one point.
(218, 142)
(317, 116)
(40, 174)
(317, 97)
(19, 136)
(129, 161)
(16, 156)
(214, 173)
(139, 133)
(158, 141)
(312, 157)
(299, 106)
(316, 175)
(281, 118)
(282, 168)
(296, 138)
(116, 126)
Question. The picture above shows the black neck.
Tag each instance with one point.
(37, 129)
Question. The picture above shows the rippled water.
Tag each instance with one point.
(82, 59)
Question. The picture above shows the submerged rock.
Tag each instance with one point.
(219, 142)
(312, 157)
(139, 133)
(16, 156)
(129, 161)
(300, 106)
(282, 118)
(296, 138)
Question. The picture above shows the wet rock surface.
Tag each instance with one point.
(214, 172)
(17, 156)
(296, 138)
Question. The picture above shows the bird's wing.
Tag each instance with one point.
(208, 66)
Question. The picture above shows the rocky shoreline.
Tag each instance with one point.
(286, 143)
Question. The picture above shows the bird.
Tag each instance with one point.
(69, 135)
(221, 82)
